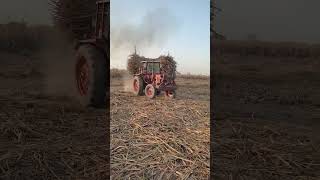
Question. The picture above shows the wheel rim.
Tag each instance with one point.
(149, 91)
(135, 85)
(82, 76)
(169, 93)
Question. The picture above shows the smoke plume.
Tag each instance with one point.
(155, 30)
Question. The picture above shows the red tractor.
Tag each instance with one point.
(87, 24)
(152, 79)
(92, 59)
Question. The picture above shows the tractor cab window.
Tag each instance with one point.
(144, 68)
(153, 67)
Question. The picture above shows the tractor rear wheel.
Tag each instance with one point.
(170, 94)
(91, 76)
(138, 85)
(150, 91)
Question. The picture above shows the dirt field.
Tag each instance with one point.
(266, 123)
(46, 136)
(160, 138)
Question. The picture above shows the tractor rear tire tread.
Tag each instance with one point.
(96, 59)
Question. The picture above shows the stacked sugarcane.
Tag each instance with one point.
(167, 63)
(134, 63)
(74, 17)
(168, 66)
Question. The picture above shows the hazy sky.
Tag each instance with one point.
(32, 11)
(161, 26)
(279, 20)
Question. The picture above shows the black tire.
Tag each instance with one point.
(170, 94)
(150, 91)
(158, 92)
(94, 93)
(138, 85)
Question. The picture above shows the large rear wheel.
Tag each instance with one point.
(91, 76)
(138, 85)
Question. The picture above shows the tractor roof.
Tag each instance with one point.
(103, 1)
(151, 61)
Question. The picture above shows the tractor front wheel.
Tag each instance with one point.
(170, 94)
(150, 91)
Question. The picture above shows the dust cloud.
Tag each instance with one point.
(60, 76)
(127, 83)
(58, 67)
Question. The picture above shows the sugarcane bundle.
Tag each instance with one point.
(168, 66)
(134, 63)
(74, 16)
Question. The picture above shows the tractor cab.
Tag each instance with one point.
(152, 72)
(152, 67)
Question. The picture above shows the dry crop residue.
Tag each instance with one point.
(266, 118)
(46, 136)
(160, 138)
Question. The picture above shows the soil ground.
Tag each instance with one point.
(266, 123)
(45, 133)
(45, 136)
